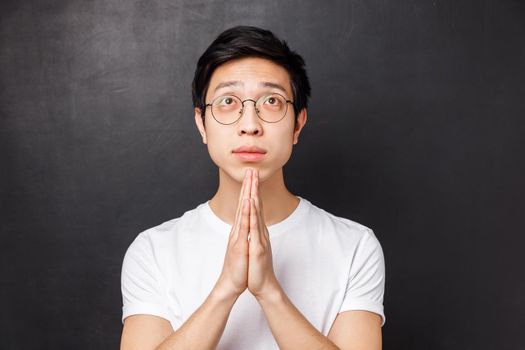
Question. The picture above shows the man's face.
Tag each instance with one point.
(250, 78)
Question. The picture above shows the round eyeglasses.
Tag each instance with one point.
(228, 109)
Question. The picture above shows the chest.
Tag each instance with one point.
(312, 272)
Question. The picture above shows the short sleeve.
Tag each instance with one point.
(143, 287)
(366, 280)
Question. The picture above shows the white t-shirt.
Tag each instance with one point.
(325, 264)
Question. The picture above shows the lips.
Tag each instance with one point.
(249, 153)
(249, 149)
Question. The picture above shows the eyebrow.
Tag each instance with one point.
(236, 83)
(228, 84)
(273, 85)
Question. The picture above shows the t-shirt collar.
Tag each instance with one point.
(276, 229)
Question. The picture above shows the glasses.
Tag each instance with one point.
(228, 109)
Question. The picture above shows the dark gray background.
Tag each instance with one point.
(415, 130)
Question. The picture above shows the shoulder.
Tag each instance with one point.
(344, 228)
(164, 234)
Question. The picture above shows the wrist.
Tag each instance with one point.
(221, 293)
(271, 295)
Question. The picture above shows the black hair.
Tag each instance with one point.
(247, 41)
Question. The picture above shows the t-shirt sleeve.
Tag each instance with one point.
(366, 280)
(143, 287)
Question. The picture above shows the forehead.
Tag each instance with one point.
(249, 74)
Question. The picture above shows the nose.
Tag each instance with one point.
(249, 122)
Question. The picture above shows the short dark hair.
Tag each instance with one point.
(248, 41)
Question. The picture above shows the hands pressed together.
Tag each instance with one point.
(248, 261)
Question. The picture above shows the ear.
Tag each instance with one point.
(200, 124)
(301, 121)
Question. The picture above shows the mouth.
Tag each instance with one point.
(249, 149)
(249, 156)
(249, 153)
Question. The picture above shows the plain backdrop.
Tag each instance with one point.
(416, 129)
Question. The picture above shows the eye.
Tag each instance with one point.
(227, 100)
(273, 100)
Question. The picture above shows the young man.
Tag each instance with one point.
(255, 267)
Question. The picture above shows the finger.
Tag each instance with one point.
(244, 190)
(249, 176)
(244, 226)
(238, 213)
(260, 209)
(263, 234)
(255, 234)
(255, 194)
(254, 190)
(263, 231)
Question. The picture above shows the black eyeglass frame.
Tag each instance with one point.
(241, 112)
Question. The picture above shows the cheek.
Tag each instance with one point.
(217, 147)
(283, 153)
(214, 155)
(282, 148)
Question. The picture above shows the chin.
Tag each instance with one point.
(237, 173)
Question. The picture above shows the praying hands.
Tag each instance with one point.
(248, 260)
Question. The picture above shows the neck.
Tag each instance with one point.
(278, 202)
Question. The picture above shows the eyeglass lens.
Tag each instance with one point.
(227, 109)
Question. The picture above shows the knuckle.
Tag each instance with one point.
(236, 249)
(239, 248)
(257, 250)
